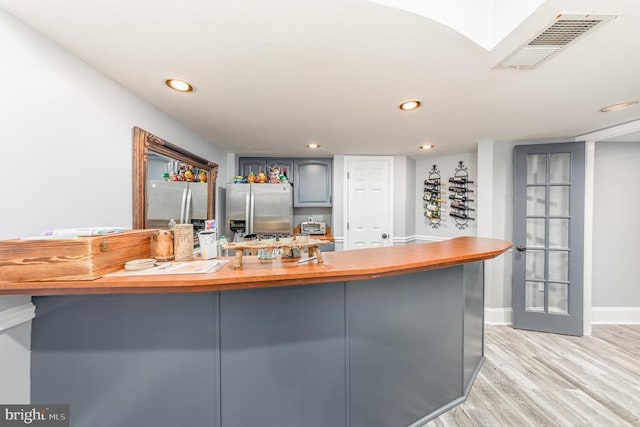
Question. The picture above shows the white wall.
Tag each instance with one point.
(447, 166)
(67, 131)
(404, 202)
(495, 219)
(616, 242)
(616, 231)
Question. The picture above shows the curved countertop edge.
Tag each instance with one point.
(351, 265)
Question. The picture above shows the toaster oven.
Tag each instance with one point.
(313, 227)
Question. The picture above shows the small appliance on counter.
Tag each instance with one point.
(313, 227)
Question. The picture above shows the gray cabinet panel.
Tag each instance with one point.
(382, 352)
(251, 164)
(404, 362)
(329, 247)
(282, 164)
(313, 178)
(473, 318)
(283, 357)
(127, 360)
(257, 164)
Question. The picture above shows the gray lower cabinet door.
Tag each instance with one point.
(283, 357)
(127, 360)
(406, 362)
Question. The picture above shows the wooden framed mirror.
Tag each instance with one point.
(160, 193)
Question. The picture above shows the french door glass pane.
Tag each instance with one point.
(558, 298)
(559, 200)
(536, 201)
(560, 168)
(535, 232)
(534, 296)
(536, 168)
(535, 265)
(559, 266)
(559, 233)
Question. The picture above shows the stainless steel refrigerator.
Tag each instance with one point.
(184, 202)
(259, 209)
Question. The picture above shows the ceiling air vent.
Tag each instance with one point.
(567, 28)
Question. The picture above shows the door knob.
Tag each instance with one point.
(384, 235)
(521, 249)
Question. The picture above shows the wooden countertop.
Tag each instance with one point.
(362, 264)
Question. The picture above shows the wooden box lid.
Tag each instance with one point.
(81, 258)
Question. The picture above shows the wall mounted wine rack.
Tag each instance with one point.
(460, 196)
(432, 197)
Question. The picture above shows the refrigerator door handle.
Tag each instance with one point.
(187, 209)
(252, 213)
(183, 206)
(247, 213)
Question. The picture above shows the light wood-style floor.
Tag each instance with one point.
(537, 379)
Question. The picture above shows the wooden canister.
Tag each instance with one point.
(164, 245)
(183, 242)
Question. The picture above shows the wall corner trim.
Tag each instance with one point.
(17, 315)
(497, 316)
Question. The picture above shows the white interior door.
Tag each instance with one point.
(369, 205)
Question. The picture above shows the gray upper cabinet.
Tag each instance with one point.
(282, 164)
(313, 179)
(251, 164)
(257, 164)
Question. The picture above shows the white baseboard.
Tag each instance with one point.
(497, 316)
(423, 238)
(599, 316)
(403, 240)
(615, 315)
(17, 315)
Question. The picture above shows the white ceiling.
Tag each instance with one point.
(272, 76)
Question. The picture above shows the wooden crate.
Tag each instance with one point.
(83, 258)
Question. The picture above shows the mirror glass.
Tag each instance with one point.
(170, 183)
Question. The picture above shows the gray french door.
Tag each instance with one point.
(548, 237)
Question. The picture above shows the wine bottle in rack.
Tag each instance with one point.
(433, 191)
(456, 205)
(460, 215)
(459, 192)
(434, 208)
(432, 215)
(460, 180)
(460, 197)
(460, 189)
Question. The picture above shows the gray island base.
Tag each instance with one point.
(391, 352)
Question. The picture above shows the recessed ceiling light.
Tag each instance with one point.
(427, 146)
(179, 85)
(617, 107)
(409, 105)
(313, 146)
